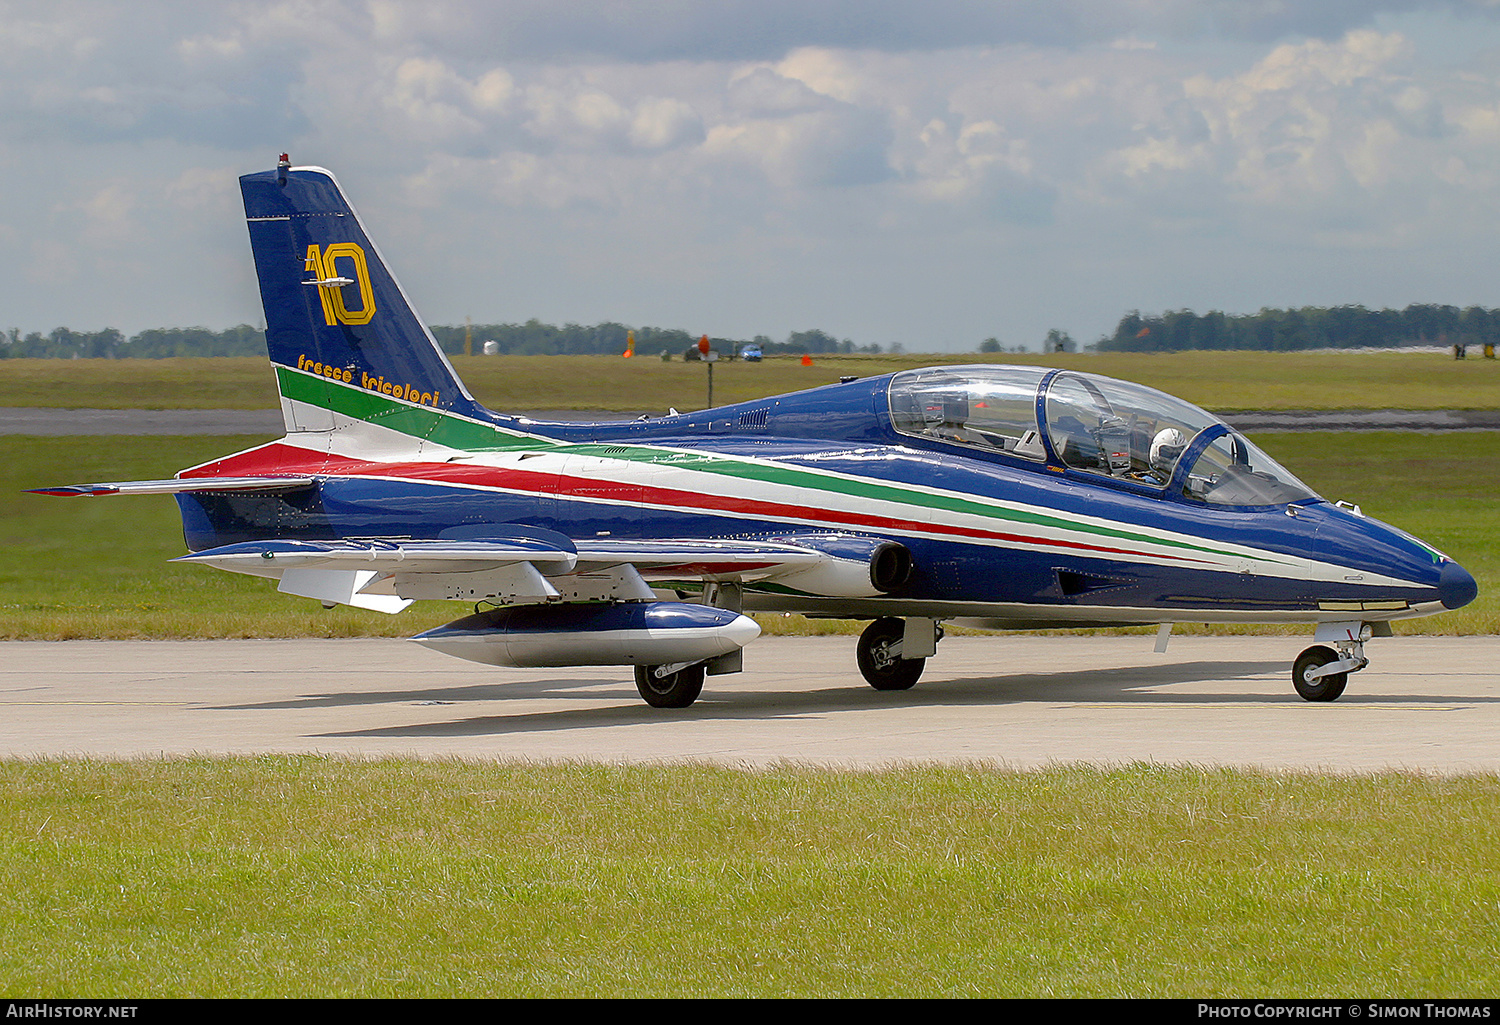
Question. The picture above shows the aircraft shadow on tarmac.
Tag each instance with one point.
(499, 691)
(1131, 684)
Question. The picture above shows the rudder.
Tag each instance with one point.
(337, 322)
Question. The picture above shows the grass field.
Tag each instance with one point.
(1214, 380)
(98, 567)
(299, 876)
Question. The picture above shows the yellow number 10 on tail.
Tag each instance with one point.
(330, 282)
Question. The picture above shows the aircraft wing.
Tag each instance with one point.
(177, 485)
(537, 565)
(697, 557)
(388, 574)
(830, 564)
(269, 558)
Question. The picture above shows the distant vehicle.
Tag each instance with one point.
(751, 354)
(1003, 496)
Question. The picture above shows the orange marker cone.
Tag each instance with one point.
(629, 344)
(806, 360)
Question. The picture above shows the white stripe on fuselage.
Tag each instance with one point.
(367, 441)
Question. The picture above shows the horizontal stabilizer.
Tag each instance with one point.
(178, 485)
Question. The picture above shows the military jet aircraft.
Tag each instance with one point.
(999, 496)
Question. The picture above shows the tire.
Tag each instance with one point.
(678, 690)
(1328, 688)
(880, 670)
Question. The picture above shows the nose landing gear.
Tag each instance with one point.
(1321, 672)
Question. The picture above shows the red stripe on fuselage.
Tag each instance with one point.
(281, 458)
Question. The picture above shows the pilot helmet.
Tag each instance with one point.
(1166, 447)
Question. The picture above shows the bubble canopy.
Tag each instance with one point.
(1096, 425)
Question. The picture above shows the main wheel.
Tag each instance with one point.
(1326, 688)
(882, 669)
(675, 690)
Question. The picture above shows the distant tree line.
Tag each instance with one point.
(534, 338)
(156, 343)
(1308, 327)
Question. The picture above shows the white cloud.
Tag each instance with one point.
(760, 148)
(824, 71)
(493, 90)
(108, 214)
(431, 100)
(663, 122)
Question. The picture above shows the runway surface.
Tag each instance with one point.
(1426, 703)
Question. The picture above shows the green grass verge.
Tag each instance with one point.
(99, 567)
(1214, 380)
(303, 876)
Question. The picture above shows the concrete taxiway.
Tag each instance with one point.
(1426, 703)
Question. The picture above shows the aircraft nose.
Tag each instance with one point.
(1456, 587)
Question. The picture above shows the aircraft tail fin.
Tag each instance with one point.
(342, 336)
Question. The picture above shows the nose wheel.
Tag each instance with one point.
(1322, 671)
(1312, 677)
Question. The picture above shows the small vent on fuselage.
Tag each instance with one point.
(755, 419)
(1073, 584)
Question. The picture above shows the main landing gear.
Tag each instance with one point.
(670, 686)
(678, 684)
(893, 652)
(1322, 671)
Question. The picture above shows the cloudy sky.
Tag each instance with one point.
(928, 173)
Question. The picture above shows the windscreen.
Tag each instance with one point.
(1232, 471)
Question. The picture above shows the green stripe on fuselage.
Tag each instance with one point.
(790, 476)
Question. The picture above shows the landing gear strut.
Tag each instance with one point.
(1321, 672)
(883, 646)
